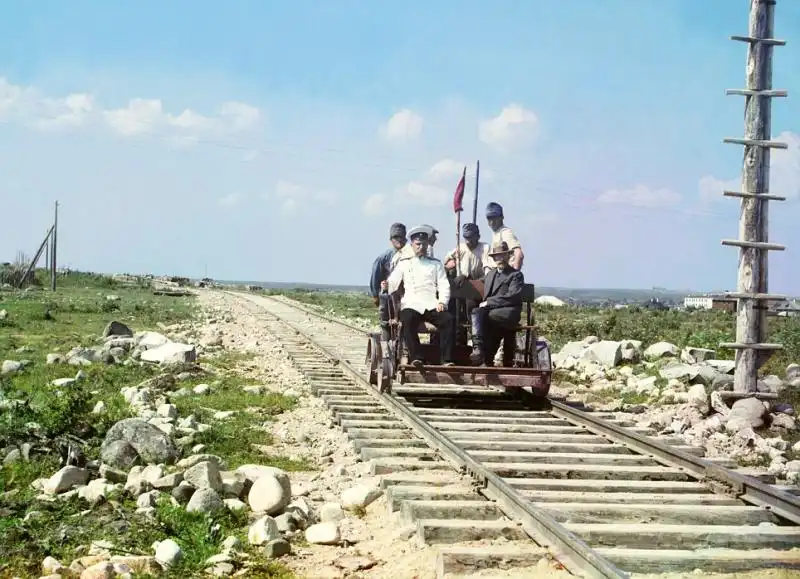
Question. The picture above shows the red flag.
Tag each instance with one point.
(458, 198)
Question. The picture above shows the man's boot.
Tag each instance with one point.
(477, 355)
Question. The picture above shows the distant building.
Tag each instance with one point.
(788, 308)
(710, 302)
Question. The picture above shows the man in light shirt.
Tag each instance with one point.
(474, 254)
(501, 233)
(425, 297)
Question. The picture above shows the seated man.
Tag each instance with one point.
(380, 272)
(499, 313)
(427, 292)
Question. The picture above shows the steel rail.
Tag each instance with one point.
(746, 488)
(570, 550)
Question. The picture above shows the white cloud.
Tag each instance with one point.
(147, 116)
(424, 194)
(230, 200)
(293, 197)
(513, 126)
(450, 170)
(375, 204)
(28, 106)
(640, 196)
(784, 173)
(405, 125)
(711, 188)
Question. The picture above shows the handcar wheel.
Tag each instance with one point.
(373, 358)
(385, 377)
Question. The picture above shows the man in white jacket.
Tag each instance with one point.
(425, 298)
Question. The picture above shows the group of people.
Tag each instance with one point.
(426, 283)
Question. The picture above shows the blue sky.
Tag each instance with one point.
(277, 141)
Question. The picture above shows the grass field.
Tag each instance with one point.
(705, 329)
(38, 323)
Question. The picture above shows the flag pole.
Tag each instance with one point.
(475, 200)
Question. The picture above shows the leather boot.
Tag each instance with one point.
(477, 356)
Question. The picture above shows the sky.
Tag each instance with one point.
(277, 141)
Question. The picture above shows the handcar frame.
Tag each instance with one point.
(532, 366)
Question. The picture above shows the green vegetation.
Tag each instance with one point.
(38, 322)
(702, 328)
(239, 437)
(351, 305)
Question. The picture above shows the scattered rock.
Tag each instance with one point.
(323, 534)
(150, 444)
(167, 552)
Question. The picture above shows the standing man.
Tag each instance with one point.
(381, 268)
(474, 255)
(501, 233)
(500, 311)
(432, 231)
(427, 291)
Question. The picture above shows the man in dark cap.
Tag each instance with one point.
(501, 233)
(381, 268)
(425, 297)
(499, 312)
(473, 255)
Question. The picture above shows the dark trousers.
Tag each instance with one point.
(490, 326)
(411, 319)
(464, 308)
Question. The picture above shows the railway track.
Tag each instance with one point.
(496, 469)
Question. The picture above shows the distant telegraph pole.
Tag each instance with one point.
(751, 347)
(54, 241)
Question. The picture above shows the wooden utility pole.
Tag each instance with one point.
(751, 346)
(53, 258)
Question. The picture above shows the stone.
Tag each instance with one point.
(148, 340)
(361, 496)
(115, 328)
(205, 501)
(10, 367)
(235, 505)
(605, 352)
(150, 443)
(97, 490)
(698, 398)
(168, 552)
(201, 389)
(277, 548)
(331, 513)
(749, 411)
(103, 570)
(190, 461)
(183, 493)
(323, 534)
(262, 531)
(204, 475)
(168, 482)
(661, 350)
(170, 353)
(270, 493)
(167, 411)
(142, 564)
(691, 355)
(65, 479)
